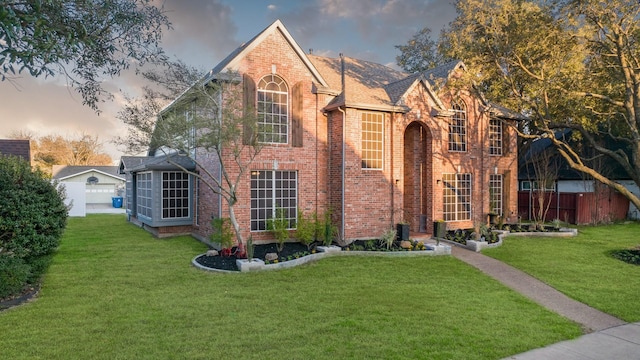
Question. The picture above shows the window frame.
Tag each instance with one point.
(461, 196)
(372, 141)
(496, 193)
(144, 194)
(268, 194)
(496, 137)
(458, 127)
(166, 197)
(264, 99)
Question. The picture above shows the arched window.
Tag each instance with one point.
(92, 180)
(458, 127)
(273, 110)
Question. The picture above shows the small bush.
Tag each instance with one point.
(631, 256)
(388, 237)
(32, 220)
(305, 229)
(37, 267)
(222, 232)
(14, 273)
(279, 227)
(325, 229)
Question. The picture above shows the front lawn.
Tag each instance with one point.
(582, 267)
(114, 292)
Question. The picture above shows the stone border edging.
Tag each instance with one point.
(477, 246)
(259, 265)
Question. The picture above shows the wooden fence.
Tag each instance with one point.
(575, 208)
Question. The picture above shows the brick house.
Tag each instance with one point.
(374, 145)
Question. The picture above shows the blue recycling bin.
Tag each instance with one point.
(116, 201)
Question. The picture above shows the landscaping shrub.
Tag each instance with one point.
(37, 266)
(14, 273)
(32, 218)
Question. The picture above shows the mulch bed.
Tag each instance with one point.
(229, 262)
(25, 295)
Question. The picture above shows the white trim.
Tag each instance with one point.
(86, 171)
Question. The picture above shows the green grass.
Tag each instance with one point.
(114, 292)
(581, 267)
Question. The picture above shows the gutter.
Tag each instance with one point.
(342, 170)
(344, 151)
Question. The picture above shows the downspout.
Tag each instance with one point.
(483, 171)
(344, 151)
(220, 158)
(342, 170)
(393, 115)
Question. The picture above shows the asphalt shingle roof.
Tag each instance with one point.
(63, 171)
(18, 148)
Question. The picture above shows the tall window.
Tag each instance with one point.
(495, 137)
(196, 204)
(372, 140)
(273, 110)
(457, 197)
(129, 194)
(189, 116)
(143, 194)
(175, 195)
(271, 191)
(458, 127)
(495, 194)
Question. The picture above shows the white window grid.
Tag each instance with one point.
(457, 197)
(273, 110)
(495, 193)
(175, 195)
(273, 191)
(372, 141)
(458, 128)
(495, 137)
(144, 196)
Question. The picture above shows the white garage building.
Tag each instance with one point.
(102, 183)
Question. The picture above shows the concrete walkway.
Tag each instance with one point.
(612, 338)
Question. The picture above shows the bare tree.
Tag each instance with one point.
(545, 167)
(140, 113)
(211, 122)
(49, 150)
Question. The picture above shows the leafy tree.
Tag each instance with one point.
(139, 114)
(32, 219)
(85, 41)
(571, 64)
(420, 53)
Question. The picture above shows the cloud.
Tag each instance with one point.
(50, 107)
(203, 31)
(366, 29)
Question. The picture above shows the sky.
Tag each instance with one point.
(204, 32)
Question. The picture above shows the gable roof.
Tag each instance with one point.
(229, 66)
(232, 62)
(62, 172)
(15, 147)
(364, 82)
(129, 162)
(173, 161)
(375, 86)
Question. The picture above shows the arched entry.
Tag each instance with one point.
(417, 176)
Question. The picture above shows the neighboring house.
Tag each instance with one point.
(19, 148)
(373, 145)
(574, 196)
(101, 182)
